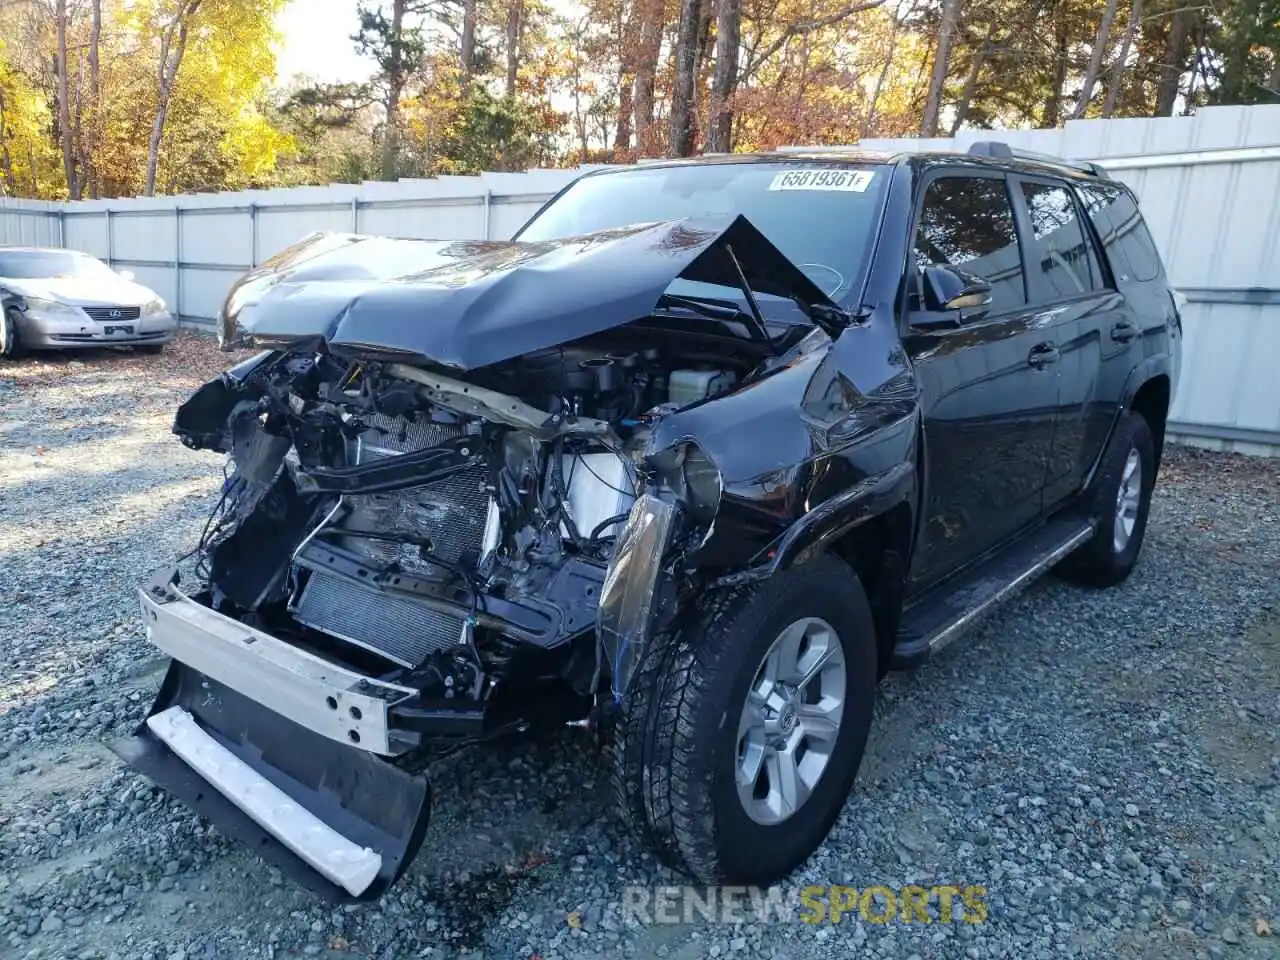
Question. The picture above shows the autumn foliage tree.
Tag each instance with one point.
(104, 97)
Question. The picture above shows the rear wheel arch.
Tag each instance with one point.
(1151, 402)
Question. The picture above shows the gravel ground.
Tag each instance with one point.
(1106, 765)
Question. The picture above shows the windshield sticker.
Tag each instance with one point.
(824, 178)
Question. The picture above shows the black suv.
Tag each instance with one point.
(690, 462)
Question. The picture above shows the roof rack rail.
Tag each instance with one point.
(1000, 149)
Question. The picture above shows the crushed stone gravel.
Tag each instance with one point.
(1106, 765)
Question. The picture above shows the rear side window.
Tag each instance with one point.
(1124, 235)
(967, 223)
(1060, 260)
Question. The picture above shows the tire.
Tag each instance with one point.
(10, 348)
(1109, 557)
(152, 348)
(677, 754)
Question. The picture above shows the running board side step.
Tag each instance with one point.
(946, 611)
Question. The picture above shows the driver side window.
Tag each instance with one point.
(967, 223)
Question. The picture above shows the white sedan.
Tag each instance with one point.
(57, 299)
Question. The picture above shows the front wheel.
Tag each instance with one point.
(737, 756)
(9, 346)
(1120, 502)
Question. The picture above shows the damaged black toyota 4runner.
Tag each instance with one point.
(693, 460)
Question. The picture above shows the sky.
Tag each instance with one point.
(316, 41)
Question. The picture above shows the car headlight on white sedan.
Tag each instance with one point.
(52, 308)
(152, 307)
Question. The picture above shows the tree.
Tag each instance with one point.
(515, 26)
(397, 48)
(110, 97)
(173, 46)
(1249, 49)
(933, 101)
(1173, 61)
(29, 159)
(95, 95)
(1095, 58)
(725, 78)
(1122, 58)
(467, 46)
(66, 136)
(648, 47)
(681, 137)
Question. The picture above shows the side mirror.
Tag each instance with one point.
(125, 274)
(947, 289)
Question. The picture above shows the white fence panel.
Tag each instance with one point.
(87, 233)
(28, 223)
(279, 226)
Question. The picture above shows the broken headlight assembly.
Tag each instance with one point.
(690, 473)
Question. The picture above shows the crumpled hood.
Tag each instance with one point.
(107, 290)
(470, 303)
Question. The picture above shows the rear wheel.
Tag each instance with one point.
(744, 732)
(9, 346)
(1121, 500)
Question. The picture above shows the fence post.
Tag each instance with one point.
(355, 214)
(62, 227)
(177, 261)
(253, 234)
(488, 214)
(110, 242)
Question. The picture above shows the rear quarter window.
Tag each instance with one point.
(1125, 237)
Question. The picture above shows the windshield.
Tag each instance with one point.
(822, 216)
(48, 264)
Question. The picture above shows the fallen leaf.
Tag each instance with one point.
(534, 859)
(1261, 927)
(574, 920)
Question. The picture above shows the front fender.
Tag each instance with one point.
(817, 530)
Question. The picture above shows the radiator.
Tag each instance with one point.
(400, 629)
(451, 513)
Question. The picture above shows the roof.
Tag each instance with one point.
(829, 155)
(983, 154)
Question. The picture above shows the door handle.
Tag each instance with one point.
(1042, 354)
(1123, 332)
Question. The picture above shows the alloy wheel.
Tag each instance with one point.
(1128, 499)
(791, 720)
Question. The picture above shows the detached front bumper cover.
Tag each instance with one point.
(235, 734)
(339, 860)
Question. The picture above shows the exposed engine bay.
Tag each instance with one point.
(450, 534)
